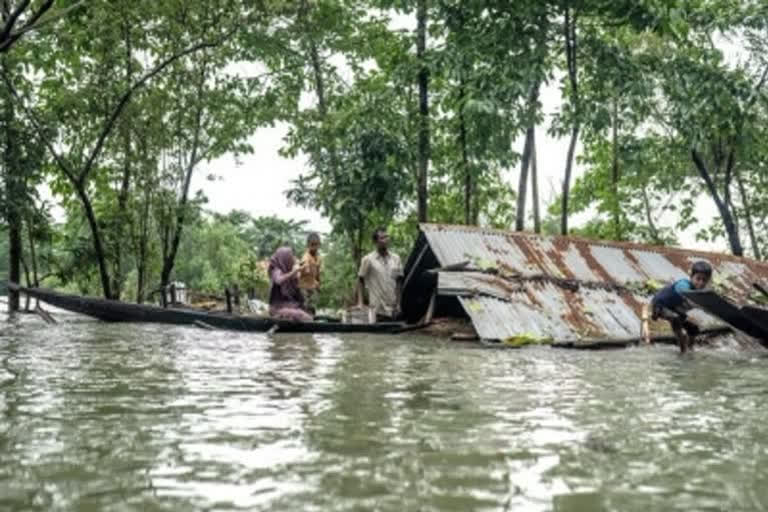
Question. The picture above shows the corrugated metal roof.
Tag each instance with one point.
(544, 309)
(528, 294)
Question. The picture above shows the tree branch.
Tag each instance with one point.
(110, 123)
(50, 19)
(756, 91)
(649, 217)
(34, 24)
(13, 17)
(725, 208)
(729, 174)
(39, 129)
(701, 167)
(36, 16)
(573, 65)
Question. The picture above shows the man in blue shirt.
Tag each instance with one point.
(670, 304)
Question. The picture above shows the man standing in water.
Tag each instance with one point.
(382, 273)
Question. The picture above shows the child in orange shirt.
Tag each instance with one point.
(309, 276)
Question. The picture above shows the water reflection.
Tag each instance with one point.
(110, 417)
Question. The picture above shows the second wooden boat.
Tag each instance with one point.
(748, 319)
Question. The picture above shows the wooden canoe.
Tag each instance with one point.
(118, 311)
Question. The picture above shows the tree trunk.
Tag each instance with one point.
(655, 238)
(423, 79)
(467, 171)
(33, 255)
(122, 198)
(322, 101)
(535, 185)
(522, 187)
(170, 259)
(141, 257)
(726, 215)
(522, 184)
(567, 180)
(123, 221)
(748, 215)
(27, 299)
(314, 56)
(98, 246)
(141, 278)
(14, 256)
(14, 192)
(615, 173)
(570, 54)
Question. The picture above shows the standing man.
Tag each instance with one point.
(382, 273)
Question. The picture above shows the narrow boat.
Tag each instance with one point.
(757, 315)
(118, 311)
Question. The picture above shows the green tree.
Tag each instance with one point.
(365, 178)
(77, 86)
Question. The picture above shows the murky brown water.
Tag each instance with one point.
(116, 417)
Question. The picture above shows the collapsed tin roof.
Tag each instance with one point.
(513, 283)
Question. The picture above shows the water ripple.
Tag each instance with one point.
(113, 417)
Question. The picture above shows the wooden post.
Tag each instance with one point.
(204, 325)
(46, 316)
(27, 298)
(645, 326)
(228, 296)
(430, 310)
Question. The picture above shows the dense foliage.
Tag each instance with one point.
(405, 110)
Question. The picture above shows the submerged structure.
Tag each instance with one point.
(512, 284)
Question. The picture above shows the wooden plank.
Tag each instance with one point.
(460, 336)
(616, 343)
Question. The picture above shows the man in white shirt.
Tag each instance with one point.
(382, 274)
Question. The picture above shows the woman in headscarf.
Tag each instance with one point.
(285, 298)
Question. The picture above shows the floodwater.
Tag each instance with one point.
(142, 417)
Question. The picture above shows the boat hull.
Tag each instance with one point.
(748, 319)
(118, 311)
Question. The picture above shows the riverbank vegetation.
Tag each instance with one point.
(406, 111)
